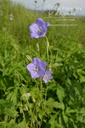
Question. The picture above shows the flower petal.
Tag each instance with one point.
(40, 21)
(36, 61)
(43, 65)
(34, 35)
(47, 76)
(31, 68)
(47, 24)
(42, 25)
(33, 28)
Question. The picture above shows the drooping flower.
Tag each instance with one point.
(39, 28)
(37, 68)
(47, 76)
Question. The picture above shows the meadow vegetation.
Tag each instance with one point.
(30, 103)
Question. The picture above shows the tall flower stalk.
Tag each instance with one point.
(38, 68)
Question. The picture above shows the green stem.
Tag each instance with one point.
(39, 98)
(44, 104)
(47, 47)
(46, 92)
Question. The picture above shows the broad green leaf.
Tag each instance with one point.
(54, 104)
(60, 93)
(65, 118)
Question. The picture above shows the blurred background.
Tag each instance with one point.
(76, 7)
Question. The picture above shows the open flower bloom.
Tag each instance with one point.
(39, 28)
(37, 68)
(47, 76)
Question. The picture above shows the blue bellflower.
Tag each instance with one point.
(39, 28)
(37, 68)
(47, 76)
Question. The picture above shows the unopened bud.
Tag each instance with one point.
(29, 58)
(37, 45)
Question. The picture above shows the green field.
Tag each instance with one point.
(26, 102)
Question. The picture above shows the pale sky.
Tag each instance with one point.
(65, 5)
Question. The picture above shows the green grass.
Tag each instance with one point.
(61, 102)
